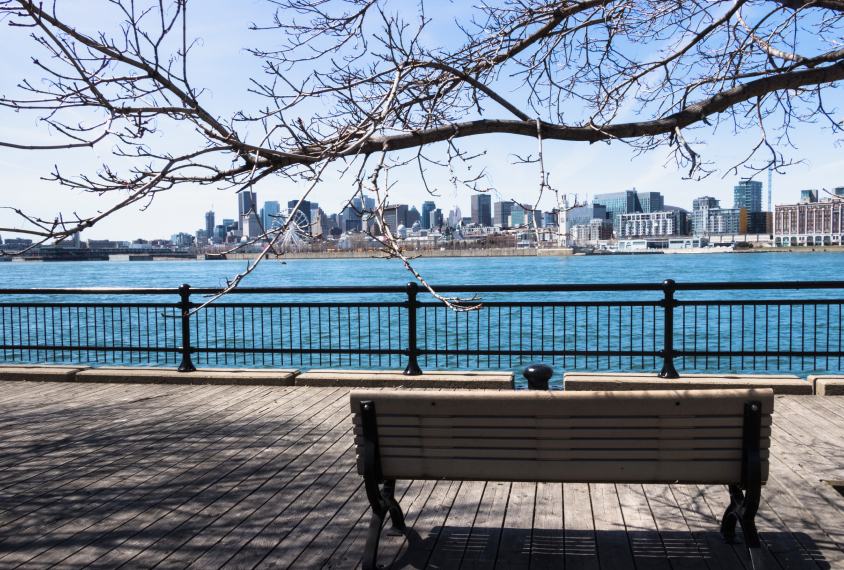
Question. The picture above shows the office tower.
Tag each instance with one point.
(617, 203)
(651, 202)
(520, 216)
(839, 191)
(582, 215)
(482, 209)
(436, 219)
(700, 213)
(455, 216)
(395, 216)
(412, 217)
(305, 208)
(271, 210)
(427, 208)
(248, 213)
(748, 195)
(502, 211)
(808, 196)
(209, 223)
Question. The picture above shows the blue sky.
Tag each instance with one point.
(220, 64)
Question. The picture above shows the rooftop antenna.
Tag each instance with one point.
(770, 170)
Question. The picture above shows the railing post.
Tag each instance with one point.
(668, 370)
(412, 365)
(186, 365)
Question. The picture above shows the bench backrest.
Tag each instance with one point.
(668, 436)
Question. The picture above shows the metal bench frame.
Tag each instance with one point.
(744, 497)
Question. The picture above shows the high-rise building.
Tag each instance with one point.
(651, 224)
(617, 203)
(395, 216)
(748, 195)
(502, 211)
(305, 208)
(247, 204)
(412, 217)
(808, 196)
(839, 191)
(520, 216)
(700, 213)
(270, 211)
(651, 202)
(581, 215)
(436, 218)
(482, 209)
(427, 208)
(209, 223)
(455, 216)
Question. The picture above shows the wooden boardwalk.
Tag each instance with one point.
(155, 476)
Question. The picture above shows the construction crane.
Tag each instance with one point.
(770, 171)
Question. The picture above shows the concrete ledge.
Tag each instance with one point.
(39, 372)
(395, 379)
(232, 376)
(781, 384)
(828, 385)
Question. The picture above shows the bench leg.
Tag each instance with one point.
(385, 504)
(744, 504)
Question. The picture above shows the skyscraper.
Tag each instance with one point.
(700, 213)
(271, 210)
(482, 209)
(617, 203)
(455, 216)
(248, 214)
(412, 217)
(436, 219)
(427, 208)
(305, 208)
(651, 202)
(209, 223)
(502, 211)
(748, 195)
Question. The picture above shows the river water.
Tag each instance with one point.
(803, 266)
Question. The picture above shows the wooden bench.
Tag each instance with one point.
(688, 437)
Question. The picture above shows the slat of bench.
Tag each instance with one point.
(556, 404)
(549, 433)
(617, 471)
(564, 454)
(560, 422)
(702, 443)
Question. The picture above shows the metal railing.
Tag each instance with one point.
(656, 328)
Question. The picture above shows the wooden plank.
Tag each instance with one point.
(677, 540)
(390, 546)
(645, 541)
(717, 499)
(416, 550)
(515, 547)
(579, 527)
(454, 537)
(486, 531)
(548, 542)
(704, 529)
(610, 532)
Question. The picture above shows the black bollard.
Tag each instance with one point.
(538, 375)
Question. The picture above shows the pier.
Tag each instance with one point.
(143, 476)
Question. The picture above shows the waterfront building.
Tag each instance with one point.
(808, 196)
(209, 224)
(13, 244)
(671, 223)
(700, 213)
(618, 203)
(427, 207)
(501, 213)
(722, 221)
(247, 209)
(748, 195)
(809, 223)
(482, 209)
(592, 232)
(581, 215)
(269, 214)
(305, 208)
(760, 222)
(650, 202)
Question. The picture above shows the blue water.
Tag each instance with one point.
(620, 329)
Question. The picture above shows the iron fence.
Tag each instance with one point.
(655, 329)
